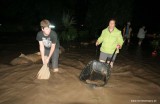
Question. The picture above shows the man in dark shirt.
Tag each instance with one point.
(48, 44)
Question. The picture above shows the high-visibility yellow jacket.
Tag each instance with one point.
(110, 40)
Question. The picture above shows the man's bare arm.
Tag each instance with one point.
(41, 48)
(52, 50)
(50, 53)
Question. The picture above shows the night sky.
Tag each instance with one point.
(145, 12)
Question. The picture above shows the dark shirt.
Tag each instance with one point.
(52, 38)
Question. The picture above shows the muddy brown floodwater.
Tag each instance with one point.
(133, 81)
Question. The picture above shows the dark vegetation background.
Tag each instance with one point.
(75, 20)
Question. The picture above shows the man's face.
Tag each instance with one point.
(46, 30)
(111, 24)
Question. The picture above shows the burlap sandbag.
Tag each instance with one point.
(44, 72)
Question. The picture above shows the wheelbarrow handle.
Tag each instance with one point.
(112, 56)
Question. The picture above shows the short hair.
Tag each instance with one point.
(44, 23)
(112, 19)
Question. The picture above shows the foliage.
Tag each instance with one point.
(67, 20)
(69, 32)
(155, 44)
(83, 34)
(96, 12)
(69, 35)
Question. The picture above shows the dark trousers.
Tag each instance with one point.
(54, 57)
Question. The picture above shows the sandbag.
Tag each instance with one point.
(26, 59)
(44, 72)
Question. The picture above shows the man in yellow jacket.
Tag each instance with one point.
(111, 38)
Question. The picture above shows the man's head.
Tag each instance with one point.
(129, 23)
(143, 27)
(45, 26)
(112, 23)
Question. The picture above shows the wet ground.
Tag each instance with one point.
(135, 78)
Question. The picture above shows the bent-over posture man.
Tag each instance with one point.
(48, 44)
